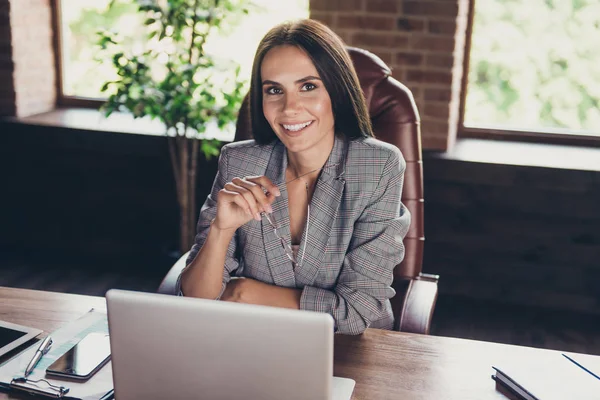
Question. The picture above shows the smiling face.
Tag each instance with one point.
(295, 101)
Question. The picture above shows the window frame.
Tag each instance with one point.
(534, 136)
(61, 99)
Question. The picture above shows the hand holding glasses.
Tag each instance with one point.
(244, 199)
(241, 200)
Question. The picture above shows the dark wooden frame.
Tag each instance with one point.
(507, 134)
(61, 99)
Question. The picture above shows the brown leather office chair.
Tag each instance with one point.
(395, 120)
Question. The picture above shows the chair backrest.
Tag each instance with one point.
(395, 120)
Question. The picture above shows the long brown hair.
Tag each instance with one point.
(328, 53)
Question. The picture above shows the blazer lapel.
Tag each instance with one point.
(323, 212)
(280, 266)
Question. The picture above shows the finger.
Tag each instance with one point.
(266, 183)
(247, 196)
(238, 199)
(264, 203)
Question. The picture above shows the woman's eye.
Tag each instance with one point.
(309, 86)
(273, 90)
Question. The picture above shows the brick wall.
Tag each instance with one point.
(27, 70)
(421, 40)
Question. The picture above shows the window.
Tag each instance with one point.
(534, 68)
(81, 75)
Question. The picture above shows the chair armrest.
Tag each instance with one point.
(169, 282)
(419, 302)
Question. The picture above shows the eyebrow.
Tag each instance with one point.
(302, 80)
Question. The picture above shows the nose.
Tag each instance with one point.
(291, 105)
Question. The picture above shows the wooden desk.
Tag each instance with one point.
(385, 365)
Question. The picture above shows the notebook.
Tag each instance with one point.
(558, 377)
(176, 347)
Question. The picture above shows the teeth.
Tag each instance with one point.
(297, 127)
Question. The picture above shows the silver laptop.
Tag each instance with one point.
(168, 347)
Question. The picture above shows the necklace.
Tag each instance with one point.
(300, 176)
(310, 172)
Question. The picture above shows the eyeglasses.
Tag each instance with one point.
(289, 252)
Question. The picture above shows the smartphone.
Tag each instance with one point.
(84, 359)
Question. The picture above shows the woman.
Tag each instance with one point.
(309, 212)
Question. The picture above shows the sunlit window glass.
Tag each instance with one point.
(535, 65)
(83, 75)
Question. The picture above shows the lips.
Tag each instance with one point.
(296, 127)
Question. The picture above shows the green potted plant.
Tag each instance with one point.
(173, 79)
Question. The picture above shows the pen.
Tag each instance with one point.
(43, 349)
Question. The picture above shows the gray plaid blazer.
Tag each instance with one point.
(354, 237)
